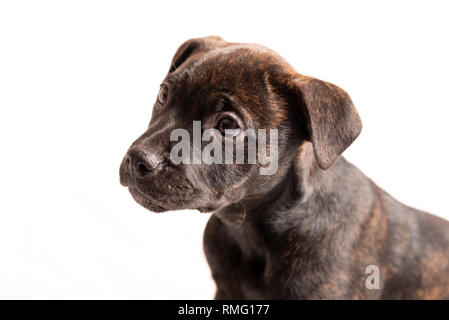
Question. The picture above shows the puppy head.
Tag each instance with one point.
(230, 90)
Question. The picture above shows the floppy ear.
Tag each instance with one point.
(332, 120)
(192, 47)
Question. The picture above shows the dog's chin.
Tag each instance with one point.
(157, 205)
(145, 201)
(206, 209)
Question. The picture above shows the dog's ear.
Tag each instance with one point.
(193, 47)
(330, 117)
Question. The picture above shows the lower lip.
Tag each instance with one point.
(144, 200)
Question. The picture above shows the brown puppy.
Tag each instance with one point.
(314, 228)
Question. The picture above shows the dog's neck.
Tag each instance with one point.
(308, 202)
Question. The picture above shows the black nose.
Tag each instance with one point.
(142, 162)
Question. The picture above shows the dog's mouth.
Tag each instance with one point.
(156, 198)
(146, 201)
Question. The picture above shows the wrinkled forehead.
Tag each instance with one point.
(237, 65)
(238, 72)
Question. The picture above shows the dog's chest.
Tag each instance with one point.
(237, 259)
(252, 277)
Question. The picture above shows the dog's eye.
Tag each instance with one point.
(163, 95)
(228, 127)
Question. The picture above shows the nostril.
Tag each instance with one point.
(142, 162)
(142, 169)
(128, 164)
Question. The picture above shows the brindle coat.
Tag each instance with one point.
(307, 232)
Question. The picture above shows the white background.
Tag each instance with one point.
(77, 83)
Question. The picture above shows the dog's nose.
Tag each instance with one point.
(142, 162)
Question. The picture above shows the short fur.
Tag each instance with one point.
(307, 232)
